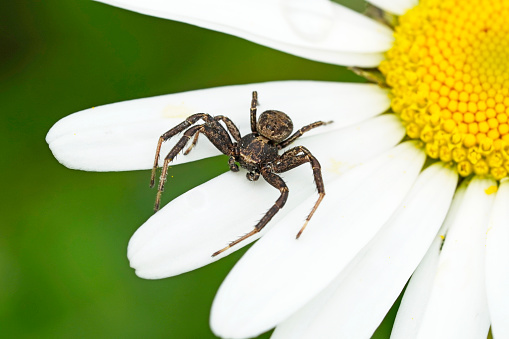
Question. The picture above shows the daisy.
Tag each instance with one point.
(417, 193)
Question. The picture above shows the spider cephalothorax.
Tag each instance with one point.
(257, 152)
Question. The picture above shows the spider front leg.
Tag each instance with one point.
(174, 151)
(234, 131)
(175, 130)
(291, 159)
(300, 132)
(278, 183)
(212, 130)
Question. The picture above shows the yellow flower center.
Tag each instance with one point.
(449, 76)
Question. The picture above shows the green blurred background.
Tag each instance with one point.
(63, 239)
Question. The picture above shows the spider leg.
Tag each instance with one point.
(278, 183)
(300, 132)
(174, 151)
(213, 131)
(291, 159)
(254, 103)
(175, 130)
(195, 140)
(234, 131)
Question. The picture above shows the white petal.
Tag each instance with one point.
(280, 274)
(123, 136)
(339, 151)
(497, 263)
(457, 307)
(368, 60)
(398, 7)
(414, 302)
(415, 299)
(318, 30)
(357, 301)
(183, 235)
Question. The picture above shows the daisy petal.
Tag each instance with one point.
(497, 269)
(457, 307)
(123, 136)
(176, 240)
(415, 299)
(280, 274)
(417, 293)
(398, 7)
(353, 145)
(359, 298)
(314, 29)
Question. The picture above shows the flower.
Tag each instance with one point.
(418, 192)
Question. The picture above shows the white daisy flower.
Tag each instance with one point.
(419, 191)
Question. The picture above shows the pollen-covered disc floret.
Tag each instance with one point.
(449, 76)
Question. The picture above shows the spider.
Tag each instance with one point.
(257, 152)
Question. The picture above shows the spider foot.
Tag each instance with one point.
(153, 177)
(158, 201)
(320, 198)
(235, 242)
(301, 230)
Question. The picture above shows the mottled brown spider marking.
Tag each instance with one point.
(229, 124)
(275, 125)
(257, 152)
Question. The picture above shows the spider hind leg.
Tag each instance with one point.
(278, 183)
(295, 157)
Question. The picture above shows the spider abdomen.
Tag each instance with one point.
(274, 125)
(255, 150)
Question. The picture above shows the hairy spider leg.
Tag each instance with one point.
(212, 130)
(232, 128)
(254, 103)
(301, 131)
(190, 120)
(234, 131)
(174, 151)
(277, 182)
(291, 159)
(195, 140)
